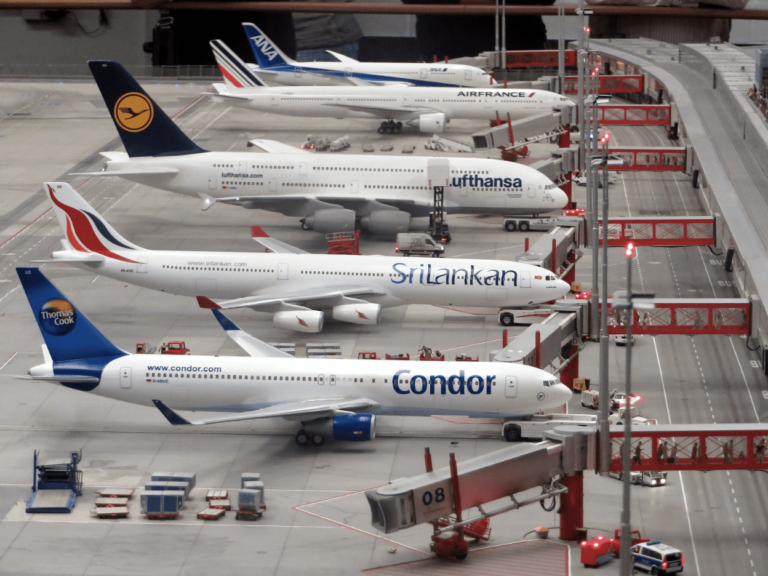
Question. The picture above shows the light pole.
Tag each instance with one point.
(627, 302)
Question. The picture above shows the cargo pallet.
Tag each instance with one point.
(211, 513)
(110, 512)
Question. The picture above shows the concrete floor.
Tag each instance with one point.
(317, 518)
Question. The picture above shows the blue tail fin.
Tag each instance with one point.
(266, 52)
(143, 127)
(68, 334)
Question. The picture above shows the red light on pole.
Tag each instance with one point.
(587, 29)
(605, 138)
(629, 250)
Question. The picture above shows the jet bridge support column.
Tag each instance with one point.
(571, 506)
(570, 371)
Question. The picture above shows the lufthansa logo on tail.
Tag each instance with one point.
(133, 112)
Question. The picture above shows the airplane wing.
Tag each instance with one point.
(327, 295)
(84, 259)
(258, 234)
(384, 111)
(275, 147)
(136, 172)
(298, 410)
(342, 58)
(253, 346)
(288, 205)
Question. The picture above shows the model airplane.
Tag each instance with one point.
(335, 398)
(425, 108)
(277, 68)
(293, 285)
(330, 193)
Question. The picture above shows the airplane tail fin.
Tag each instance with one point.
(85, 229)
(236, 72)
(266, 52)
(68, 334)
(143, 126)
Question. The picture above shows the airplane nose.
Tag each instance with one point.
(562, 393)
(563, 287)
(560, 199)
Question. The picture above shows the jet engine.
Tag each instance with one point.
(299, 320)
(330, 220)
(386, 222)
(431, 123)
(357, 313)
(345, 427)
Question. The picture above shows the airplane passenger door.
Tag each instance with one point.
(347, 72)
(125, 378)
(354, 186)
(487, 102)
(213, 183)
(273, 184)
(242, 167)
(302, 168)
(282, 271)
(467, 74)
(298, 72)
(142, 267)
(510, 388)
(332, 380)
(531, 191)
(423, 73)
(524, 279)
(275, 100)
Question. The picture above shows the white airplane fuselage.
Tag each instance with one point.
(240, 384)
(476, 185)
(439, 75)
(374, 102)
(220, 275)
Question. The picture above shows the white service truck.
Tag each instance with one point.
(418, 243)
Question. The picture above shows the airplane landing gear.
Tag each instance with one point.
(390, 127)
(304, 438)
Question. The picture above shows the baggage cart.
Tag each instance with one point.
(222, 503)
(116, 492)
(217, 495)
(210, 514)
(111, 502)
(110, 512)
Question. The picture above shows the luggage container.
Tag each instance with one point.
(173, 500)
(180, 486)
(249, 500)
(155, 486)
(249, 477)
(190, 477)
(162, 476)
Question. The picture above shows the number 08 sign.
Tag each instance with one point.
(433, 501)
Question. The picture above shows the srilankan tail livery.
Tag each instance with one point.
(337, 399)
(428, 109)
(328, 193)
(297, 288)
(277, 68)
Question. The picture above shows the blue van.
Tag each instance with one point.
(657, 558)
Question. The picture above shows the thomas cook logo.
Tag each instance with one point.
(58, 317)
(540, 396)
(133, 112)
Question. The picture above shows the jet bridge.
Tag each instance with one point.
(428, 497)
(526, 130)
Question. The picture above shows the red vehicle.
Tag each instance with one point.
(367, 356)
(583, 295)
(596, 551)
(636, 538)
(177, 347)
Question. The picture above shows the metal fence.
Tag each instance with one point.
(58, 71)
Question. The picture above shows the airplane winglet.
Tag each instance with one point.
(206, 303)
(225, 322)
(170, 415)
(258, 232)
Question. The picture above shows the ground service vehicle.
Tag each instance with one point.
(526, 224)
(657, 558)
(418, 243)
(535, 427)
(647, 478)
(528, 315)
(596, 551)
(635, 538)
